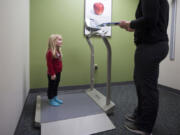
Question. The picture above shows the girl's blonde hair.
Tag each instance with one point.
(52, 44)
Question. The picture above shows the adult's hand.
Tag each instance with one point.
(126, 25)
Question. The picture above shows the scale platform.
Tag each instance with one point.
(78, 115)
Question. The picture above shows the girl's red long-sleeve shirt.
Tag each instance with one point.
(54, 65)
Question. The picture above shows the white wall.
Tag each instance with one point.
(14, 62)
(170, 70)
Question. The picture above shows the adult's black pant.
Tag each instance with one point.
(53, 86)
(146, 72)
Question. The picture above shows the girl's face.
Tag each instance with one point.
(58, 41)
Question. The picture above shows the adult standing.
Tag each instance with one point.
(151, 39)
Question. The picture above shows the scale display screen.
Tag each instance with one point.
(98, 12)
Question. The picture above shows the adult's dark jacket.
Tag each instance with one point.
(151, 22)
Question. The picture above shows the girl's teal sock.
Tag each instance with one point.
(58, 100)
(53, 102)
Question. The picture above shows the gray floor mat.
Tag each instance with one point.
(75, 105)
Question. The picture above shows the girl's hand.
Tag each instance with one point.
(53, 77)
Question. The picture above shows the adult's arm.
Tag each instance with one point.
(150, 10)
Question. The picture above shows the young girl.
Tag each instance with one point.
(54, 65)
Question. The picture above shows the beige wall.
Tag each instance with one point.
(170, 70)
(14, 62)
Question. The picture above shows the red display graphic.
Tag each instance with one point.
(98, 8)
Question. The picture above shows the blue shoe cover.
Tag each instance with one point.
(58, 100)
(53, 102)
